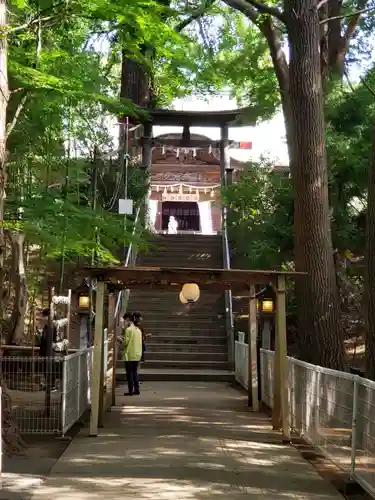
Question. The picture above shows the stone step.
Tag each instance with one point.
(178, 375)
(156, 347)
(160, 317)
(187, 365)
(184, 331)
(194, 357)
(199, 341)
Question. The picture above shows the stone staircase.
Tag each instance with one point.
(188, 342)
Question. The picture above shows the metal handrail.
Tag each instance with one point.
(128, 257)
(228, 293)
(227, 266)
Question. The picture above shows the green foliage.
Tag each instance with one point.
(261, 210)
(63, 95)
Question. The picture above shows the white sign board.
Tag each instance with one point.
(125, 207)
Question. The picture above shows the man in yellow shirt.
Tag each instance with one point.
(132, 354)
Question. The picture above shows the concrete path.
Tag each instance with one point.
(183, 441)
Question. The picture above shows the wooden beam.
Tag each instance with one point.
(97, 359)
(176, 117)
(282, 365)
(253, 358)
(134, 276)
(180, 143)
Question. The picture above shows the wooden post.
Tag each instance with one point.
(253, 358)
(112, 341)
(68, 314)
(147, 163)
(103, 370)
(97, 359)
(281, 364)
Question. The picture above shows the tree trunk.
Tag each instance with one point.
(320, 333)
(20, 283)
(134, 81)
(10, 434)
(4, 98)
(370, 268)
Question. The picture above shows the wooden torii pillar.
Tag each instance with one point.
(280, 410)
(98, 352)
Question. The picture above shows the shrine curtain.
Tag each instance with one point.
(205, 217)
(153, 210)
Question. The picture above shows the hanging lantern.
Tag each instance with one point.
(83, 301)
(191, 292)
(163, 150)
(212, 193)
(194, 153)
(267, 306)
(210, 150)
(182, 298)
(178, 152)
(157, 189)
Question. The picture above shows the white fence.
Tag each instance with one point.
(76, 384)
(47, 395)
(334, 411)
(241, 355)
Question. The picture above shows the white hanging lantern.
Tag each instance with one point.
(178, 152)
(210, 150)
(163, 150)
(182, 298)
(191, 292)
(194, 153)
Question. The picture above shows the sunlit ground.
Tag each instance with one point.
(183, 441)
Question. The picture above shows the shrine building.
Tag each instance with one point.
(185, 182)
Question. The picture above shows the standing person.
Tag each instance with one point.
(46, 344)
(172, 225)
(137, 320)
(132, 354)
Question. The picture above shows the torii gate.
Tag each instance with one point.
(112, 279)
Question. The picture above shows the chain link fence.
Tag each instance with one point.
(48, 395)
(334, 411)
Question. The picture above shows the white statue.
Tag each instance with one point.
(172, 225)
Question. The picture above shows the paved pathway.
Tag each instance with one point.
(183, 441)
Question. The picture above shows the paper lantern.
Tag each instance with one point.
(182, 298)
(191, 292)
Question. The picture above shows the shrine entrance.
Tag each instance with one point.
(186, 214)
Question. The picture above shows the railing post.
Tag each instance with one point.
(317, 380)
(79, 404)
(64, 386)
(354, 426)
